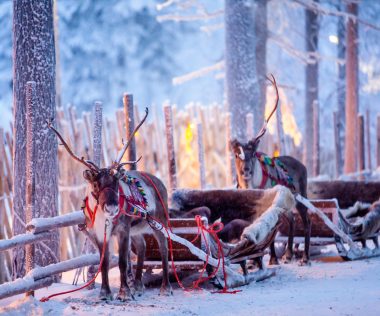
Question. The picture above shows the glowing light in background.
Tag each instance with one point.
(334, 39)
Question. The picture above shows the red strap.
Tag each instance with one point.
(91, 214)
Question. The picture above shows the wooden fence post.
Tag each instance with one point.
(170, 148)
(316, 153)
(230, 166)
(30, 211)
(280, 132)
(201, 156)
(129, 127)
(368, 137)
(360, 146)
(250, 127)
(338, 147)
(378, 141)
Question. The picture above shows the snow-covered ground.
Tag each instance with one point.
(329, 286)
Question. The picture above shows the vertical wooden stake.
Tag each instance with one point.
(280, 132)
(360, 146)
(170, 148)
(30, 172)
(338, 148)
(378, 141)
(250, 128)
(230, 167)
(316, 154)
(201, 156)
(129, 127)
(368, 138)
(97, 133)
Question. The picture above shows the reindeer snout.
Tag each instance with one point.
(110, 210)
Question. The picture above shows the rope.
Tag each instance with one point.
(45, 299)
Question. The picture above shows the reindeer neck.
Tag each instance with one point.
(258, 174)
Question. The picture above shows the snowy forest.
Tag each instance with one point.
(158, 153)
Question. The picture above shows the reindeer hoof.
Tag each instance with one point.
(105, 295)
(125, 295)
(166, 291)
(140, 288)
(273, 261)
(304, 262)
(287, 258)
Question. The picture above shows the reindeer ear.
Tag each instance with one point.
(234, 144)
(88, 175)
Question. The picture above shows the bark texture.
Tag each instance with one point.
(352, 102)
(34, 60)
(311, 35)
(241, 78)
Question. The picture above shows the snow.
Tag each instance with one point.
(329, 286)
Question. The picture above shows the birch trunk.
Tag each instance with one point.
(34, 59)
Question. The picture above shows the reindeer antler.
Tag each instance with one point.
(89, 164)
(264, 128)
(123, 150)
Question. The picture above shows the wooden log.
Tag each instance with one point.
(338, 147)
(87, 124)
(378, 141)
(129, 127)
(201, 156)
(24, 239)
(360, 145)
(367, 192)
(30, 199)
(170, 148)
(368, 139)
(316, 149)
(38, 225)
(23, 285)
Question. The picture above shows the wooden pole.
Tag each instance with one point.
(360, 145)
(170, 148)
(97, 132)
(201, 156)
(250, 127)
(338, 149)
(280, 132)
(316, 149)
(368, 138)
(30, 170)
(129, 127)
(229, 158)
(378, 141)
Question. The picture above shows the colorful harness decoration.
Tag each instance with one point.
(274, 170)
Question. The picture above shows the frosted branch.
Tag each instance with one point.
(186, 18)
(198, 73)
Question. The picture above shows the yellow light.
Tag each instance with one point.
(188, 137)
(276, 153)
(334, 39)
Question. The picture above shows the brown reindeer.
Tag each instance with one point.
(107, 187)
(256, 170)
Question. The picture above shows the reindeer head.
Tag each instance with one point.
(104, 182)
(245, 153)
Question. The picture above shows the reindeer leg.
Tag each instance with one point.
(307, 228)
(287, 258)
(166, 288)
(364, 243)
(105, 291)
(126, 290)
(140, 246)
(273, 257)
(375, 241)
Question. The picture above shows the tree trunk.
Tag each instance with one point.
(311, 34)
(350, 154)
(241, 78)
(34, 59)
(341, 90)
(261, 33)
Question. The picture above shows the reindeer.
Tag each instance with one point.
(253, 172)
(108, 187)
